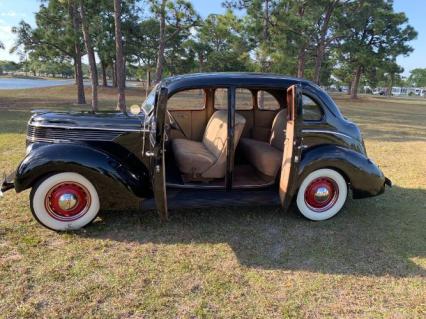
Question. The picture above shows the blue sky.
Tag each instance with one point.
(12, 11)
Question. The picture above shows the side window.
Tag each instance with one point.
(243, 99)
(266, 101)
(189, 100)
(311, 110)
(221, 99)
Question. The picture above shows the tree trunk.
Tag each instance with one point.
(264, 64)
(318, 62)
(91, 56)
(301, 60)
(104, 74)
(322, 41)
(266, 18)
(390, 85)
(201, 62)
(114, 74)
(355, 82)
(81, 99)
(162, 43)
(124, 72)
(148, 83)
(121, 104)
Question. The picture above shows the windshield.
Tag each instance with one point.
(149, 103)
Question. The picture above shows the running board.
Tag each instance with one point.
(184, 198)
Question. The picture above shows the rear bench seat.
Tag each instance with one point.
(267, 157)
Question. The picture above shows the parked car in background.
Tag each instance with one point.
(379, 91)
(199, 140)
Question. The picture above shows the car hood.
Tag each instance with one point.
(87, 120)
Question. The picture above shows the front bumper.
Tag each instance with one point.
(7, 183)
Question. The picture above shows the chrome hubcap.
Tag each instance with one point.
(322, 194)
(67, 201)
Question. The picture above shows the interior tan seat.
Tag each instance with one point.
(267, 157)
(208, 158)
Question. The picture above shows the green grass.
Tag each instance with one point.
(369, 261)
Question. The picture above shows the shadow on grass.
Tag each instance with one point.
(373, 237)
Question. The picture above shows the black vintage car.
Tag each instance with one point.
(198, 140)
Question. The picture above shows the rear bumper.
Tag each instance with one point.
(388, 182)
(7, 183)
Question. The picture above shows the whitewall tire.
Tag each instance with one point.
(64, 201)
(322, 194)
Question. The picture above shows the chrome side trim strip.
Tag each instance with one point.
(327, 132)
(87, 128)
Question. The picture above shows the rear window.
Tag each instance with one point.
(266, 101)
(311, 110)
(243, 99)
(221, 99)
(187, 100)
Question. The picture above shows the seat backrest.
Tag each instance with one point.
(215, 137)
(216, 132)
(278, 130)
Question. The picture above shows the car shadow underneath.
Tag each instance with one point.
(372, 237)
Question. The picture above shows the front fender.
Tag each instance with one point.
(100, 167)
(365, 178)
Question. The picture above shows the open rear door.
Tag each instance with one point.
(292, 145)
(157, 138)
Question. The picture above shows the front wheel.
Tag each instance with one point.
(322, 194)
(64, 201)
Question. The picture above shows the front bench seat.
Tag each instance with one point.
(208, 158)
(267, 157)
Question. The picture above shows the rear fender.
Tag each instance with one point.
(105, 170)
(363, 175)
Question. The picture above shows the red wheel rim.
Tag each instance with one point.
(321, 194)
(67, 201)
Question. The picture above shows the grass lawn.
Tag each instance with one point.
(369, 261)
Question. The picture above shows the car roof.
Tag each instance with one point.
(179, 82)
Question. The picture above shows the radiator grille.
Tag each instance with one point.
(37, 133)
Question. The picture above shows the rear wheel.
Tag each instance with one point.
(64, 201)
(322, 194)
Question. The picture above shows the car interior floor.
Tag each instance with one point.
(244, 176)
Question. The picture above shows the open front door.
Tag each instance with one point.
(157, 139)
(292, 145)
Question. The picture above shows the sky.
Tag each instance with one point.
(13, 11)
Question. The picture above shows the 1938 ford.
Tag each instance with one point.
(198, 140)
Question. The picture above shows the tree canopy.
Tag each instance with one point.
(348, 41)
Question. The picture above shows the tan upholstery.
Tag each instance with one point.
(208, 159)
(192, 156)
(267, 157)
(278, 130)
